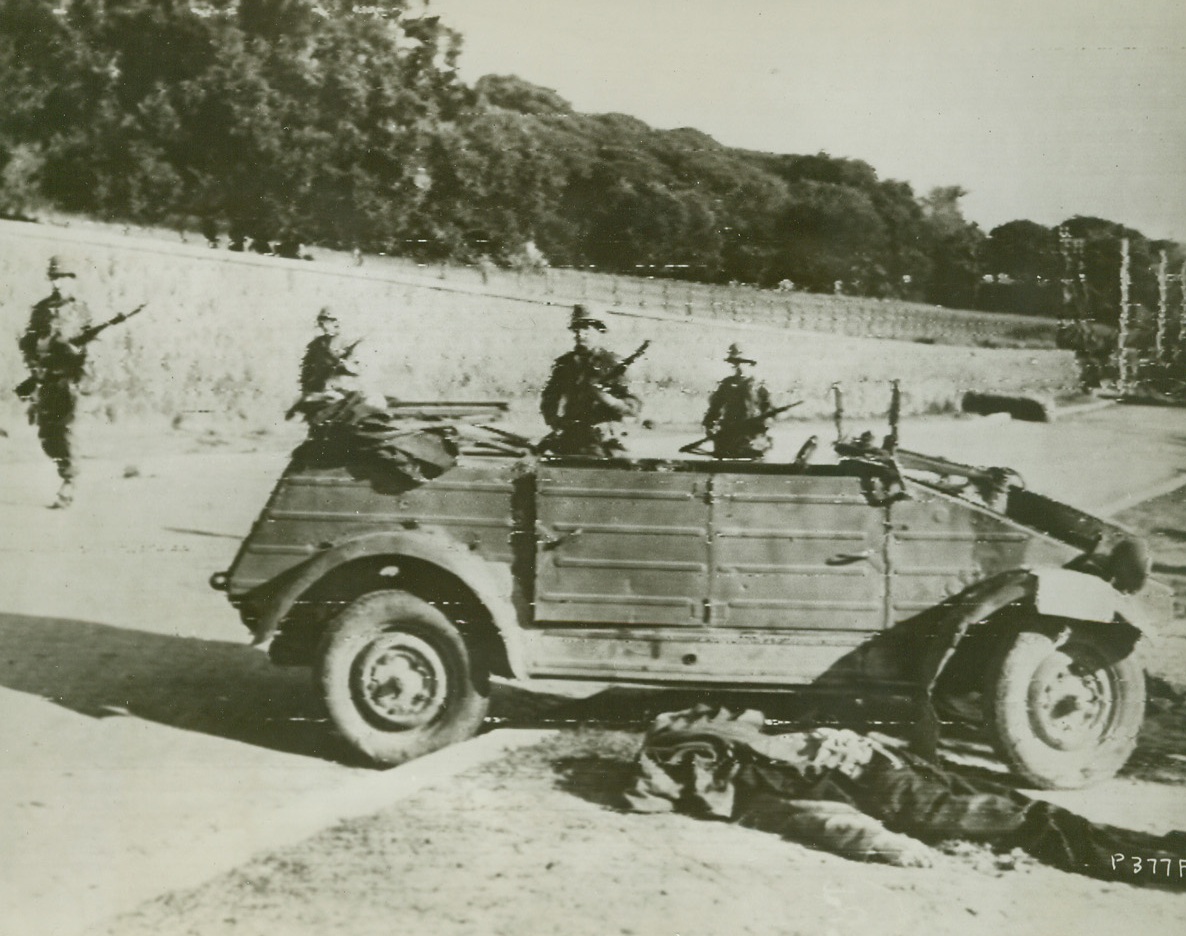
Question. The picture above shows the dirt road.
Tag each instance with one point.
(143, 740)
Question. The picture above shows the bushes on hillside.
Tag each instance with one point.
(331, 122)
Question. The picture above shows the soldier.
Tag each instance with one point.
(586, 393)
(326, 357)
(735, 419)
(862, 796)
(57, 363)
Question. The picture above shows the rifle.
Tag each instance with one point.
(753, 424)
(87, 335)
(623, 365)
(26, 388)
(341, 358)
(989, 483)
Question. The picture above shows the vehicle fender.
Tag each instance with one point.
(1053, 592)
(1070, 594)
(491, 589)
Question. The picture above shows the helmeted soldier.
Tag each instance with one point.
(734, 419)
(326, 358)
(586, 394)
(863, 796)
(57, 365)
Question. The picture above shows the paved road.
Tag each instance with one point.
(140, 735)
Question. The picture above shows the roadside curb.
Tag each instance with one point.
(1079, 409)
(293, 822)
(1131, 500)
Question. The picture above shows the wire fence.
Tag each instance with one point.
(802, 311)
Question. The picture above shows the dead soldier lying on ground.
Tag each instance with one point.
(860, 797)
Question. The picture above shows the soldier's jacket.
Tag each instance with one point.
(736, 400)
(694, 761)
(59, 360)
(570, 399)
(71, 316)
(732, 415)
(322, 360)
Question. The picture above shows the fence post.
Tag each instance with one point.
(1182, 312)
(1125, 315)
(1163, 306)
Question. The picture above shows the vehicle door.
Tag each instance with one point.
(620, 546)
(622, 570)
(798, 571)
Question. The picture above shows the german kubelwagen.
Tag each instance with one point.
(886, 572)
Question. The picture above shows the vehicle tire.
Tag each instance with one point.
(397, 678)
(1066, 715)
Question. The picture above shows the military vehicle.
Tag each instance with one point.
(882, 573)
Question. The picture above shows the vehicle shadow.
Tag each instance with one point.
(213, 687)
(634, 707)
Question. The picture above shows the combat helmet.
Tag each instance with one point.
(58, 269)
(737, 356)
(326, 315)
(581, 319)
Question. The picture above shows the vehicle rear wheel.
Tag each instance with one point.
(1065, 714)
(397, 678)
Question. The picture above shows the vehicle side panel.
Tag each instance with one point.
(796, 552)
(621, 547)
(939, 545)
(714, 577)
(313, 509)
(682, 655)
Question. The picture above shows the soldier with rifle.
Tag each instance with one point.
(737, 421)
(54, 348)
(587, 393)
(326, 358)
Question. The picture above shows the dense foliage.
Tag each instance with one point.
(346, 125)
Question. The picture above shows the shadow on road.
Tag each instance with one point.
(597, 779)
(216, 688)
(232, 691)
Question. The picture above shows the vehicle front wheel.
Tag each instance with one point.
(1065, 714)
(397, 678)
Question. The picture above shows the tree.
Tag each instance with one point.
(1024, 260)
(954, 248)
(829, 233)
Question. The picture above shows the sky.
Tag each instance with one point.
(1041, 109)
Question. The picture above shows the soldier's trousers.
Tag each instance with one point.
(590, 439)
(919, 798)
(54, 412)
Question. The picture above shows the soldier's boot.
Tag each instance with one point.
(65, 496)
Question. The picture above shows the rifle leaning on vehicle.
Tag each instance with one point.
(751, 425)
(26, 388)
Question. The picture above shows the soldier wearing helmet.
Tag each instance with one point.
(733, 419)
(326, 356)
(586, 394)
(327, 359)
(57, 365)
